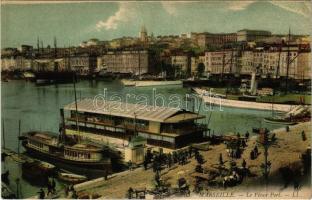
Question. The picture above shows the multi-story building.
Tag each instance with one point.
(246, 62)
(8, 63)
(182, 64)
(273, 62)
(48, 64)
(15, 63)
(132, 61)
(304, 66)
(83, 63)
(221, 62)
(26, 49)
(123, 42)
(246, 35)
(195, 61)
(205, 39)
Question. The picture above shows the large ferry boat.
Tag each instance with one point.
(115, 123)
(80, 157)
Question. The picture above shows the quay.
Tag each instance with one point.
(286, 153)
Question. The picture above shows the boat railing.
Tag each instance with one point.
(137, 126)
(99, 122)
(112, 124)
(186, 129)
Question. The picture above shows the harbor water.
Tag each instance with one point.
(38, 108)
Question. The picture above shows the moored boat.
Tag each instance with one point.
(37, 172)
(51, 77)
(71, 178)
(279, 121)
(220, 101)
(81, 157)
(6, 192)
(298, 114)
(163, 127)
(147, 83)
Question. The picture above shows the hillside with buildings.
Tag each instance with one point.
(177, 56)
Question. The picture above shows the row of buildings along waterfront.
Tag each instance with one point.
(238, 53)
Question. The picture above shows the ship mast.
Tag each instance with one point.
(55, 55)
(279, 60)
(76, 105)
(288, 62)
(223, 63)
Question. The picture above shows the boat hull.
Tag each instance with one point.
(51, 77)
(242, 104)
(149, 83)
(89, 169)
(275, 121)
(36, 174)
(71, 179)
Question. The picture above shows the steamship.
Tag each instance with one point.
(81, 157)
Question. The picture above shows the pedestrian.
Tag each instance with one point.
(190, 150)
(244, 163)
(243, 144)
(238, 153)
(247, 135)
(75, 195)
(130, 165)
(105, 175)
(130, 191)
(66, 190)
(41, 194)
(145, 164)
(252, 153)
(220, 159)
(303, 136)
(53, 185)
(256, 151)
(49, 186)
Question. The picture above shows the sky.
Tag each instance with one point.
(72, 23)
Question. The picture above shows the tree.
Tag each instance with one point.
(200, 69)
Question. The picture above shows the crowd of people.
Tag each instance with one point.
(159, 161)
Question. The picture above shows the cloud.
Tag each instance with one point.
(301, 8)
(125, 13)
(28, 2)
(170, 7)
(238, 5)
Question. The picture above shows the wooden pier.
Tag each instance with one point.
(19, 158)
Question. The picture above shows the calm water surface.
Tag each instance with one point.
(38, 109)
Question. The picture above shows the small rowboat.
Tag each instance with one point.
(37, 172)
(72, 178)
(279, 121)
(46, 166)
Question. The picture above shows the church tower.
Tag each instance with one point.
(143, 35)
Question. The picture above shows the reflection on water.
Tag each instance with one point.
(38, 109)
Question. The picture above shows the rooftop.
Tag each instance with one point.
(129, 110)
